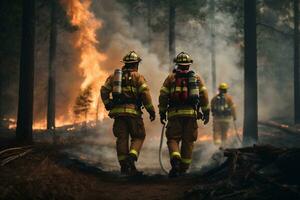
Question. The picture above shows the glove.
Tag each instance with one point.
(152, 115)
(199, 115)
(205, 117)
(163, 118)
(109, 106)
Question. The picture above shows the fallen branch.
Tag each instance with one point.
(283, 127)
(11, 158)
(14, 148)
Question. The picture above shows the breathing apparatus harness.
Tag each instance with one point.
(123, 78)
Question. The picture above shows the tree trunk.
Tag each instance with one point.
(26, 82)
(250, 88)
(1, 99)
(296, 63)
(149, 21)
(172, 15)
(213, 45)
(51, 76)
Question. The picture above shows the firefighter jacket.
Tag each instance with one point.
(223, 109)
(165, 97)
(137, 92)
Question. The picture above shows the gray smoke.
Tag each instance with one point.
(118, 36)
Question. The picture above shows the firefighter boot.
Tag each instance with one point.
(183, 168)
(175, 171)
(124, 167)
(132, 171)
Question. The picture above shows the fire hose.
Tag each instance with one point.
(236, 132)
(160, 149)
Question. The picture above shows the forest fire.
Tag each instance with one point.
(85, 42)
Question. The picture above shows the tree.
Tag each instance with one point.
(296, 63)
(149, 4)
(250, 74)
(172, 21)
(1, 101)
(83, 103)
(26, 84)
(51, 76)
(213, 45)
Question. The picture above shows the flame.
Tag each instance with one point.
(86, 43)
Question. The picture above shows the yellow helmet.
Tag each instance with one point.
(183, 59)
(131, 57)
(223, 86)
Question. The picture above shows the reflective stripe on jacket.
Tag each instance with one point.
(229, 101)
(188, 111)
(137, 89)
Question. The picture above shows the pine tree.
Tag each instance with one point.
(83, 103)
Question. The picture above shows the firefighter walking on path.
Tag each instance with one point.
(223, 110)
(129, 92)
(182, 96)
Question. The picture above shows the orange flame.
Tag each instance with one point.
(86, 42)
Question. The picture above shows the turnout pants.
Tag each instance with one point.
(184, 130)
(220, 129)
(125, 128)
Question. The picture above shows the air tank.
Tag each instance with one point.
(193, 87)
(117, 85)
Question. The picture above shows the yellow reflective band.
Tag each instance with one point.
(202, 89)
(186, 161)
(179, 89)
(125, 110)
(143, 88)
(164, 90)
(129, 89)
(122, 157)
(133, 151)
(205, 107)
(181, 112)
(108, 87)
(218, 141)
(106, 101)
(175, 154)
(194, 92)
(149, 106)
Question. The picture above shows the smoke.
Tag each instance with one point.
(118, 36)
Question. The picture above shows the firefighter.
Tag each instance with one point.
(223, 110)
(124, 94)
(182, 96)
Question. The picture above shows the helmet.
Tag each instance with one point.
(131, 57)
(223, 86)
(183, 59)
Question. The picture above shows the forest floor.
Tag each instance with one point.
(68, 170)
(47, 174)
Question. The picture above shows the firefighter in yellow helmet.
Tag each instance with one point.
(183, 99)
(223, 110)
(129, 92)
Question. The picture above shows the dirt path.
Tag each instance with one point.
(46, 174)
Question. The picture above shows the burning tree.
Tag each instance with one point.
(83, 103)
